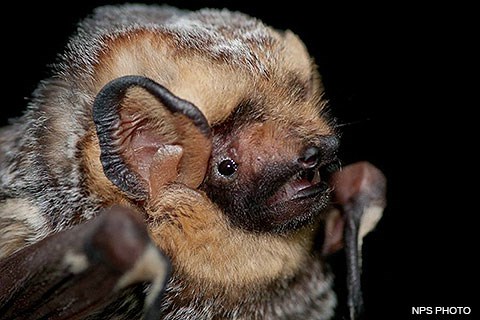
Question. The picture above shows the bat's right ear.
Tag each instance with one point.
(149, 137)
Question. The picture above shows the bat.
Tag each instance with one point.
(179, 165)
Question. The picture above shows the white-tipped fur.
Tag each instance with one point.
(75, 262)
(21, 224)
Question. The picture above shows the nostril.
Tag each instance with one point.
(310, 158)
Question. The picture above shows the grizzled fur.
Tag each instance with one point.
(43, 185)
(40, 151)
(282, 300)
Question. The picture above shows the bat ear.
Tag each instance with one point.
(149, 137)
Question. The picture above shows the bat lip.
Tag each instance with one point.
(311, 191)
(299, 210)
(303, 199)
(304, 184)
(298, 200)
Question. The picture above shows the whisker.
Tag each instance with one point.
(340, 125)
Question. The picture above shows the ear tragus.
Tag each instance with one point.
(149, 137)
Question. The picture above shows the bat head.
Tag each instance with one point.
(253, 135)
(268, 177)
(264, 173)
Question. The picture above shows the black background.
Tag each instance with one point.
(389, 72)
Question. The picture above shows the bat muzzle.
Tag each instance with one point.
(309, 181)
(304, 184)
(302, 197)
(276, 190)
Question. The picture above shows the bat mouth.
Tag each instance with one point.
(301, 198)
(305, 184)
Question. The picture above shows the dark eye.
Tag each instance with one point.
(227, 167)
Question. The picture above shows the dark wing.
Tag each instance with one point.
(73, 273)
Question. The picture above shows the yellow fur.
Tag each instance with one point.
(20, 225)
(194, 232)
(185, 224)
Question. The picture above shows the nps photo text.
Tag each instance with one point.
(442, 310)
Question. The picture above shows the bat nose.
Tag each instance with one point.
(310, 158)
(324, 152)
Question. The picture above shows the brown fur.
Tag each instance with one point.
(203, 245)
(196, 235)
(216, 89)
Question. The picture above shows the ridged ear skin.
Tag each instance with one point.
(149, 137)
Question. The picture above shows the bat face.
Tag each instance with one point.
(267, 177)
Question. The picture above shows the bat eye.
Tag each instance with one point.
(227, 167)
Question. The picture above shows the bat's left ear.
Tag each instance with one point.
(149, 137)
